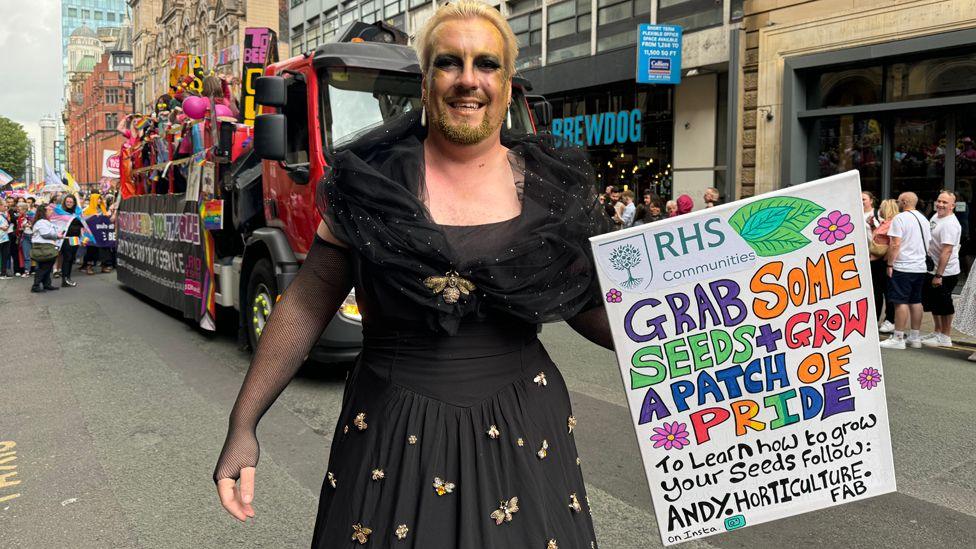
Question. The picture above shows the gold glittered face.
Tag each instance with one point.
(467, 91)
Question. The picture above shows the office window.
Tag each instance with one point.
(98, 15)
(417, 3)
(690, 14)
(569, 30)
(72, 12)
(111, 16)
(296, 3)
(370, 11)
(392, 7)
(348, 16)
(85, 14)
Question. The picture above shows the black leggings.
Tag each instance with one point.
(5, 258)
(68, 254)
(42, 276)
(879, 281)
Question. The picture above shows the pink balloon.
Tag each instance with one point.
(195, 107)
(224, 110)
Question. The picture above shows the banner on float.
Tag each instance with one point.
(163, 253)
(110, 164)
(260, 49)
(748, 347)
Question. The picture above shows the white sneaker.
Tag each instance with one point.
(914, 342)
(930, 335)
(946, 340)
(893, 343)
(886, 327)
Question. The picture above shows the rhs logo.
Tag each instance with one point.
(627, 264)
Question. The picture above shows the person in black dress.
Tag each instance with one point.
(456, 429)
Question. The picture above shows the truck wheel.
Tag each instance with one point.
(262, 292)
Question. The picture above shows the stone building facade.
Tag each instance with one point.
(211, 29)
(885, 87)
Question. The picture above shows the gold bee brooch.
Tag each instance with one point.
(451, 286)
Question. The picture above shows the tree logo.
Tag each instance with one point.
(625, 258)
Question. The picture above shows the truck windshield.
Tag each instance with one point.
(358, 100)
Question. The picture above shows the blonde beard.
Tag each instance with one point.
(463, 134)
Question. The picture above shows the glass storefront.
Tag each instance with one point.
(627, 130)
(922, 147)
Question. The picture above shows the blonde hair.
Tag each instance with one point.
(888, 209)
(466, 9)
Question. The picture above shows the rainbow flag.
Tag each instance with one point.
(18, 186)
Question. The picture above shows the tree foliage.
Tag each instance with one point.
(14, 147)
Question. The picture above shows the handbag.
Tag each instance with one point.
(877, 250)
(929, 262)
(44, 252)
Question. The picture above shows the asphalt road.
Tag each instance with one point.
(113, 410)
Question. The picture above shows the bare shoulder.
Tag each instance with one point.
(326, 234)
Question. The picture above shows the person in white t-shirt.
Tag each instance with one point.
(910, 235)
(943, 250)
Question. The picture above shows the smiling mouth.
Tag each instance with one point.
(465, 106)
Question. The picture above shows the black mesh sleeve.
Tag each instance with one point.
(296, 323)
(594, 325)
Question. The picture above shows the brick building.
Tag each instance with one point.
(93, 113)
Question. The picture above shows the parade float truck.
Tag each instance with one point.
(237, 237)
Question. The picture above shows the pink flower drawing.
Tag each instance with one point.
(833, 228)
(672, 435)
(869, 378)
(614, 296)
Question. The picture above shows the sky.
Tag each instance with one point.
(30, 58)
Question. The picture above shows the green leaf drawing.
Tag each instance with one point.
(773, 226)
(781, 241)
(764, 222)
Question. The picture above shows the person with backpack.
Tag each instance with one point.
(44, 247)
(907, 253)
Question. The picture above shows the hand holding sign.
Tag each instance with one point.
(750, 358)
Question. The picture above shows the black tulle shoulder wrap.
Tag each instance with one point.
(371, 200)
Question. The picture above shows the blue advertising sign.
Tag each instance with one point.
(659, 54)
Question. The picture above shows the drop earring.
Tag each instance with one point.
(508, 118)
(423, 115)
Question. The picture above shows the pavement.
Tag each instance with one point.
(114, 410)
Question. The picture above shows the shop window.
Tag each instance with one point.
(918, 159)
(842, 143)
(926, 78)
(846, 87)
(690, 14)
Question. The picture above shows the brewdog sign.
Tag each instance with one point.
(747, 343)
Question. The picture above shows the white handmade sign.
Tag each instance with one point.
(747, 342)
